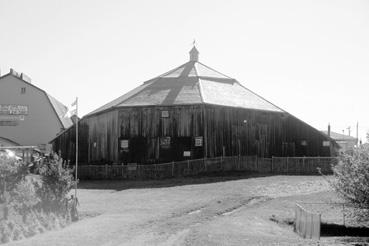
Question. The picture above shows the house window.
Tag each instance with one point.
(23, 90)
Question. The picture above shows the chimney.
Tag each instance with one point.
(329, 129)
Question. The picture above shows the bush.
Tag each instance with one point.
(56, 184)
(352, 181)
(11, 174)
(33, 203)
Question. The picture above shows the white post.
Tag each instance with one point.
(75, 191)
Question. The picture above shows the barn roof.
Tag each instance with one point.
(191, 83)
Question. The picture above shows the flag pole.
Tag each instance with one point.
(76, 179)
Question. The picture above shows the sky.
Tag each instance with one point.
(311, 58)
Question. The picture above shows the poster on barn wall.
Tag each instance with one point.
(124, 144)
(198, 142)
(326, 143)
(165, 142)
(186, 153)
(164, 114)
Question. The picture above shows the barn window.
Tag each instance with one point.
(304, 143)
(23, 90)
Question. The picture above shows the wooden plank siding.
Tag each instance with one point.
(144, 127)
(102, 137)
(225, 130)
(65, 143)
(261, 133)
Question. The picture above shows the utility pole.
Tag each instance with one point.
(349, 130)
(357, 132)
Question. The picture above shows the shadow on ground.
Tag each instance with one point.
(334, 230)
(119, 185)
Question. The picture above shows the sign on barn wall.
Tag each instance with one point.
(186, 153)
(165, 142)
(164, 114)
(326, 143)
(198, 141)
(132, 166)
(124, 144)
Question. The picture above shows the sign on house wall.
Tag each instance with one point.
(12, 109)
(11, 114)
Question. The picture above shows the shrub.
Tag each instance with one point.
(352, 181)
(56, 182)
(33, 203)
(11, 173)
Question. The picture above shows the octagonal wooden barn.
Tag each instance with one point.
(190, 112)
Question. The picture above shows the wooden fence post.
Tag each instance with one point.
(271, 168)
(106, 171)
(257, 163)
(172, 168)
(287, 171)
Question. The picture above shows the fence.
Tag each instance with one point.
(274, 165)
(307, 224)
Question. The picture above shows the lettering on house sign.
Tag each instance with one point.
(12, 109)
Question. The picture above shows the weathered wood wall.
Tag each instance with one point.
(144, 135)
(65, 143)
(102, 137)
(265, 134)
(147, 130)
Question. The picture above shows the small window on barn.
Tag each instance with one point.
(164, 114)
(304, 143)
(23, 90)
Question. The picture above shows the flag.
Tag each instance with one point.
(72, 110)
(75, 102)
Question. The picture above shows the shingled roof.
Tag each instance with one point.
(191, 83)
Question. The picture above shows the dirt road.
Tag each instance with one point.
(176, 212)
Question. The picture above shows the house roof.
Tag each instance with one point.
(339, 137)
(191, 83)
(58, 108)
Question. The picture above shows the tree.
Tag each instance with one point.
(352, 180)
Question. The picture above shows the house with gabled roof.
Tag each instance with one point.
(29, 116)
(345, 142)
(190, 112)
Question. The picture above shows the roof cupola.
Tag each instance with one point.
(194, 54)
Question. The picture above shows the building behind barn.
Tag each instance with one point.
(190, 112)
(28, 115)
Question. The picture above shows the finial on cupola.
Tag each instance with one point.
(194, 53)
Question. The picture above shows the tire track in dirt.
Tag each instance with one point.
(176, 227)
